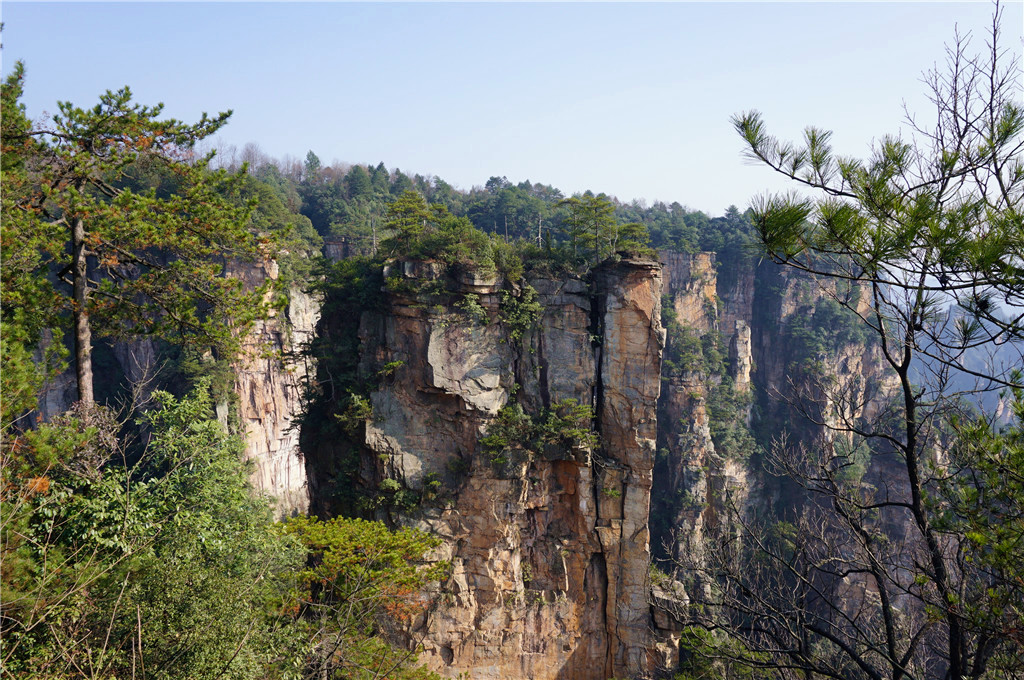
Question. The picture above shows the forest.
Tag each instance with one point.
(835, 499)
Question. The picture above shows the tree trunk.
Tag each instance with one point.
(83, 334)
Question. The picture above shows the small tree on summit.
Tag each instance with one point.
(591, 224)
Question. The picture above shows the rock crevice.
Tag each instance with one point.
(549, 547)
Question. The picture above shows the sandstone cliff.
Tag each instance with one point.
(270, 378)
(549, 544)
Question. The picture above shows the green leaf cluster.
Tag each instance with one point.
(172, 563)
(362, 575)
(565, 425)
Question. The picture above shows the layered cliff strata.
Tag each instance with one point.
(270, 378)
(548, 542)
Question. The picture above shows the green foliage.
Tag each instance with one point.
(355, 557)
(171, 563)
(297, 243)
(565, 425)
(348, 288)
(356, 410)
(920, 226)
(389, 369)
(508, 259)
(732, 238)
(727, 409)
(983, 501)
(361, 576)
(337, 396)
(29, 303)
(432, 233)
(710, 655)
(510, 427)
(831, 328)
(671, 227)
(590, 225)
(140, 261)
(470, 307)
(686, 351)
(519, 313)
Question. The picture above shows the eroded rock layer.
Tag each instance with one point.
(549, 544)
(269, 383)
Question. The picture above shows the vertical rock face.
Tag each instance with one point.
(791, 372)
(269, 379)
(736, 291)
(549, 548)
(691, 283)
(741, 355)
(689, 463)
(269, 385)
(630, 379)
(688, 458)
(781, 353)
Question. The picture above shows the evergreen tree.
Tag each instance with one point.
(381, 180)
(28, 302)
(918, 578)
(357, 183)
(136, 262)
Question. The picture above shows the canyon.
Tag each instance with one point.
(550, 541)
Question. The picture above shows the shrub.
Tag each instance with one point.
(519, 313)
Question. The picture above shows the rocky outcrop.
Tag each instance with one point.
(269, 382)
(549, 545)
(741, 356)
(691, 283)
(629, 310)
(687, 460)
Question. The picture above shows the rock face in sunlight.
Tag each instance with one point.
(549, 544)
(550, 540)
(269, 380)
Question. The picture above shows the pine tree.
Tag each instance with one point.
(916, 577)
(136, 261)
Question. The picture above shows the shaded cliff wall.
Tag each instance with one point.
(549, 545)
(691, 476)
(686, 454)
(817, 366)
(791, 350)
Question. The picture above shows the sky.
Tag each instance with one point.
(632, 99)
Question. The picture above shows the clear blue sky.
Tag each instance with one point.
(630, 99)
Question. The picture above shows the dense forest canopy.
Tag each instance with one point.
(349, 202)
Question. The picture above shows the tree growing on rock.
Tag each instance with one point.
(910, 576)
